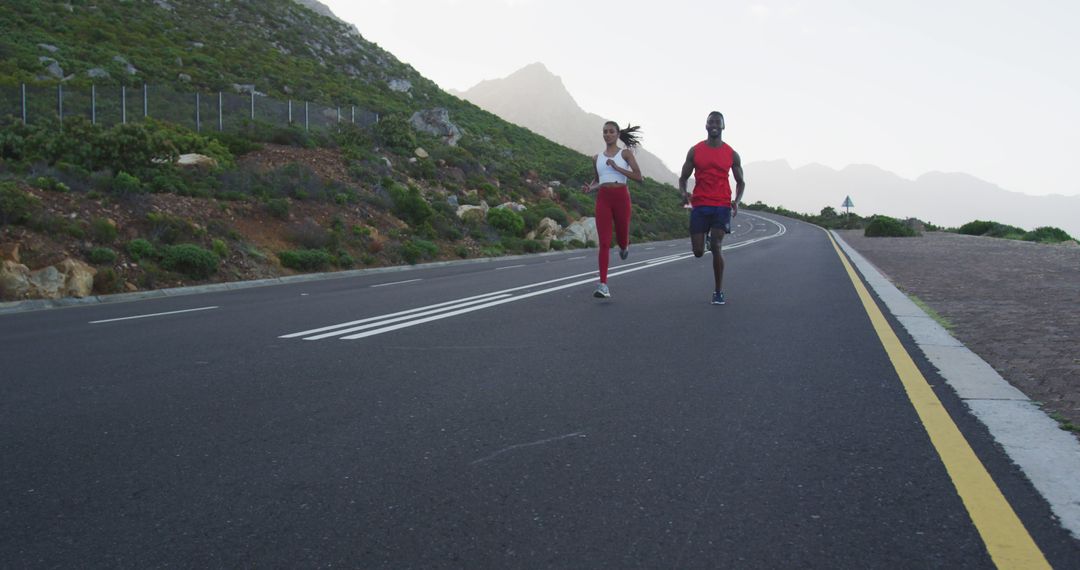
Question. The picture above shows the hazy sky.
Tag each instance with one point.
(991, 88)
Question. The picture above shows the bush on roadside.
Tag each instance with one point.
(1047, 234)
(884, 226)
(990, 229)
(16, 206)
(306, 259)
(102, 256)
(506, 221)
(189, 259)
(140, 249)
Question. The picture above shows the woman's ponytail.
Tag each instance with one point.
(630, 136)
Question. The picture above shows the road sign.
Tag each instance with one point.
(847, 203)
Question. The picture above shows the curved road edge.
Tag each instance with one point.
(1048, 456)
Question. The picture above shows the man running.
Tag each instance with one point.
(710, 161)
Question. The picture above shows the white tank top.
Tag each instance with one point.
(606, 174)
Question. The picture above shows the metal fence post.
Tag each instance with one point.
(24, 103)
(339, 114)
(376, 117)
(252, 103)
(290, 112)
(145, 101)
(123, 104)
(60, 102)
(352, 110)
(220, 116)
(198, 119)
(93, 104)
(305, 115)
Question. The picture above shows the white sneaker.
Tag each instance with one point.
(601, 291)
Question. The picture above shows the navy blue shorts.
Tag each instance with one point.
(705, 218)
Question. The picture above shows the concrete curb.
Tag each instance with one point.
(43, 304)
(1048, 456)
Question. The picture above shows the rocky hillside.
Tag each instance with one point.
(105, 208)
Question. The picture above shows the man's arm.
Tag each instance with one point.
(687, 170)
(740, 183)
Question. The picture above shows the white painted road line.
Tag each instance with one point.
(153, 315)
(509, 267)
(380, 322)
(396, 283)
(495, 303)
(485, 296)
(578, 257)
(403, 319)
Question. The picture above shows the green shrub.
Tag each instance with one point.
(884, 226)
(558, 245)
(555, 213)
(103, 230)
(140, 249)
(278, 207)
(49, 183)
(168, 228)
(125, 184)
(1047, 234)
(534, 246)
(16, 206)
(220, 248)
(410, 205)
(189, 259)
(306, 259)
(395, 133)
(506, 221)
(413, 250)
(344, 260)
(991, 229)
(102, 256)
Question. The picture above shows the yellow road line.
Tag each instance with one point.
(1009, 543)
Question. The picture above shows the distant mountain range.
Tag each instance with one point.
(945, 198)
(536, 99)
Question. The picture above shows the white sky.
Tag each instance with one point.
(990, 88)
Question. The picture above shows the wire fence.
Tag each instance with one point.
(220, 111)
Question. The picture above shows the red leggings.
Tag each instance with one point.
(612, 206)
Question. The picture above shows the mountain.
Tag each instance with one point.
(536, 99)
(946, 199)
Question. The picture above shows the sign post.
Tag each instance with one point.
(847, 205)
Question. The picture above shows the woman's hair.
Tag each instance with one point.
(630, 136)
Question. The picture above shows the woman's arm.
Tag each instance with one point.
(635, 171)
(596, 178)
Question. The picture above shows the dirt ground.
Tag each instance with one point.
(1016, 304)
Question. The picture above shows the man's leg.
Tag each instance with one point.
(717, 257)
(697, 244)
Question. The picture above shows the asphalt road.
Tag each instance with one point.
(490, 416)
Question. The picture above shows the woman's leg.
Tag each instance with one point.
(620, 205)
(603, 214)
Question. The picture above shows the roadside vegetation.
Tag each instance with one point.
(885, 226)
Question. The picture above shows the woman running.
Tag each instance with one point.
(613, 167)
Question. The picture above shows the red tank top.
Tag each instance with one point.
(711, 167)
